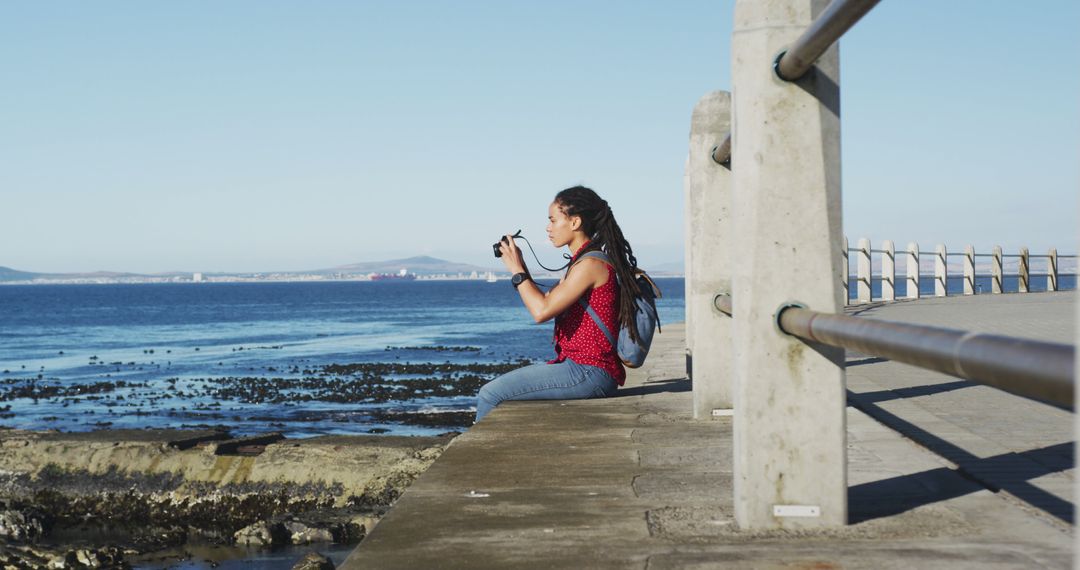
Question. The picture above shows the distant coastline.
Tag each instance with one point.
(274, 278)
(421, 268)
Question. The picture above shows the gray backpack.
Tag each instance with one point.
(646, 319)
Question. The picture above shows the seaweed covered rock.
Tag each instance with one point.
(300, 533)
(314, 561)
(263, 534)
(28, 556)
(155, 490)
(22, 525)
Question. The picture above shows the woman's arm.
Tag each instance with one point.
(585, 273)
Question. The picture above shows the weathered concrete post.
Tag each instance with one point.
(1024, 270)
(864, 277)
(997, 271)
(710, 241)
(688, 276)
(1076, 436)
(913, 271)
(789, 429)
(969, 270)
(1052, 270)
(845, 272)
(888, 271)
(941, 271)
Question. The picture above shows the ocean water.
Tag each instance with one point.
(302, 358)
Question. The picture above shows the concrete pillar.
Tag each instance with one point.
(1024, 270)
(789, 429)
(845, 272)
(913, 271)
(941, 271)
(997, 271)
(688, 297)
(969, 270)
(711, 241)
(1052, 270)
(888, 271)
(863, 276)
(1076, 434)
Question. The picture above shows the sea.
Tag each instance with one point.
(955, 284)
(302, 358)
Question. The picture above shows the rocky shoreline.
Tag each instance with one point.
(111, 498)
(301, 398)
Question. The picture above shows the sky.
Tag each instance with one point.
(263, 135)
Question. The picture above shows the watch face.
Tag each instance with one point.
(518, 278)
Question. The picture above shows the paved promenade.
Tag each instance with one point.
(633, 482)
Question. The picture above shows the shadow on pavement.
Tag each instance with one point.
(657, 387)
(909, 392)
(893, 496)
(1010, 472)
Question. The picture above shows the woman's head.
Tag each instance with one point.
(579, 209)
(585, 205)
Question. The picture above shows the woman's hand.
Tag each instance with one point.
(511, 255)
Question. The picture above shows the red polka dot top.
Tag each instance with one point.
(577, 336)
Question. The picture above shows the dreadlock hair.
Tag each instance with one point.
(598, 222)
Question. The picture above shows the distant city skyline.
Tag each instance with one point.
(277, 136)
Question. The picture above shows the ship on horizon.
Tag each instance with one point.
(402, 275)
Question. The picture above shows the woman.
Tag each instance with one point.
(586, 365)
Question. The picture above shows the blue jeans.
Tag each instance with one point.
(566, 380)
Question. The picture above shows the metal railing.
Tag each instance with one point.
(721, 153)
(839, 16)
(1038, 370)
(942, 275)
(1033, 369)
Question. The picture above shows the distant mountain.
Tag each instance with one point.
(420, 265)
(9, 274)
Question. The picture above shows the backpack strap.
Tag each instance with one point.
(597, 254)
(599, 323)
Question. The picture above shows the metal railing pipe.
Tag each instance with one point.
(721, 153)
(722, 302)
(838, 17)
(1032, 369)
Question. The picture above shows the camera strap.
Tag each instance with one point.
(566, 256)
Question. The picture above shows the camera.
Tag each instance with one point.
(496, 245)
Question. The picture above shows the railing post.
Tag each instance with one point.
(710, 241)
(888, 271)
(941, 271)
(864, 277)
(997, 271)
(913, 271)
(1024, 270)
(790, 407)
(1052, 270)
(845, 279)
(969, 270)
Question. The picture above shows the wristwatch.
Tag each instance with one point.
(518, 279)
